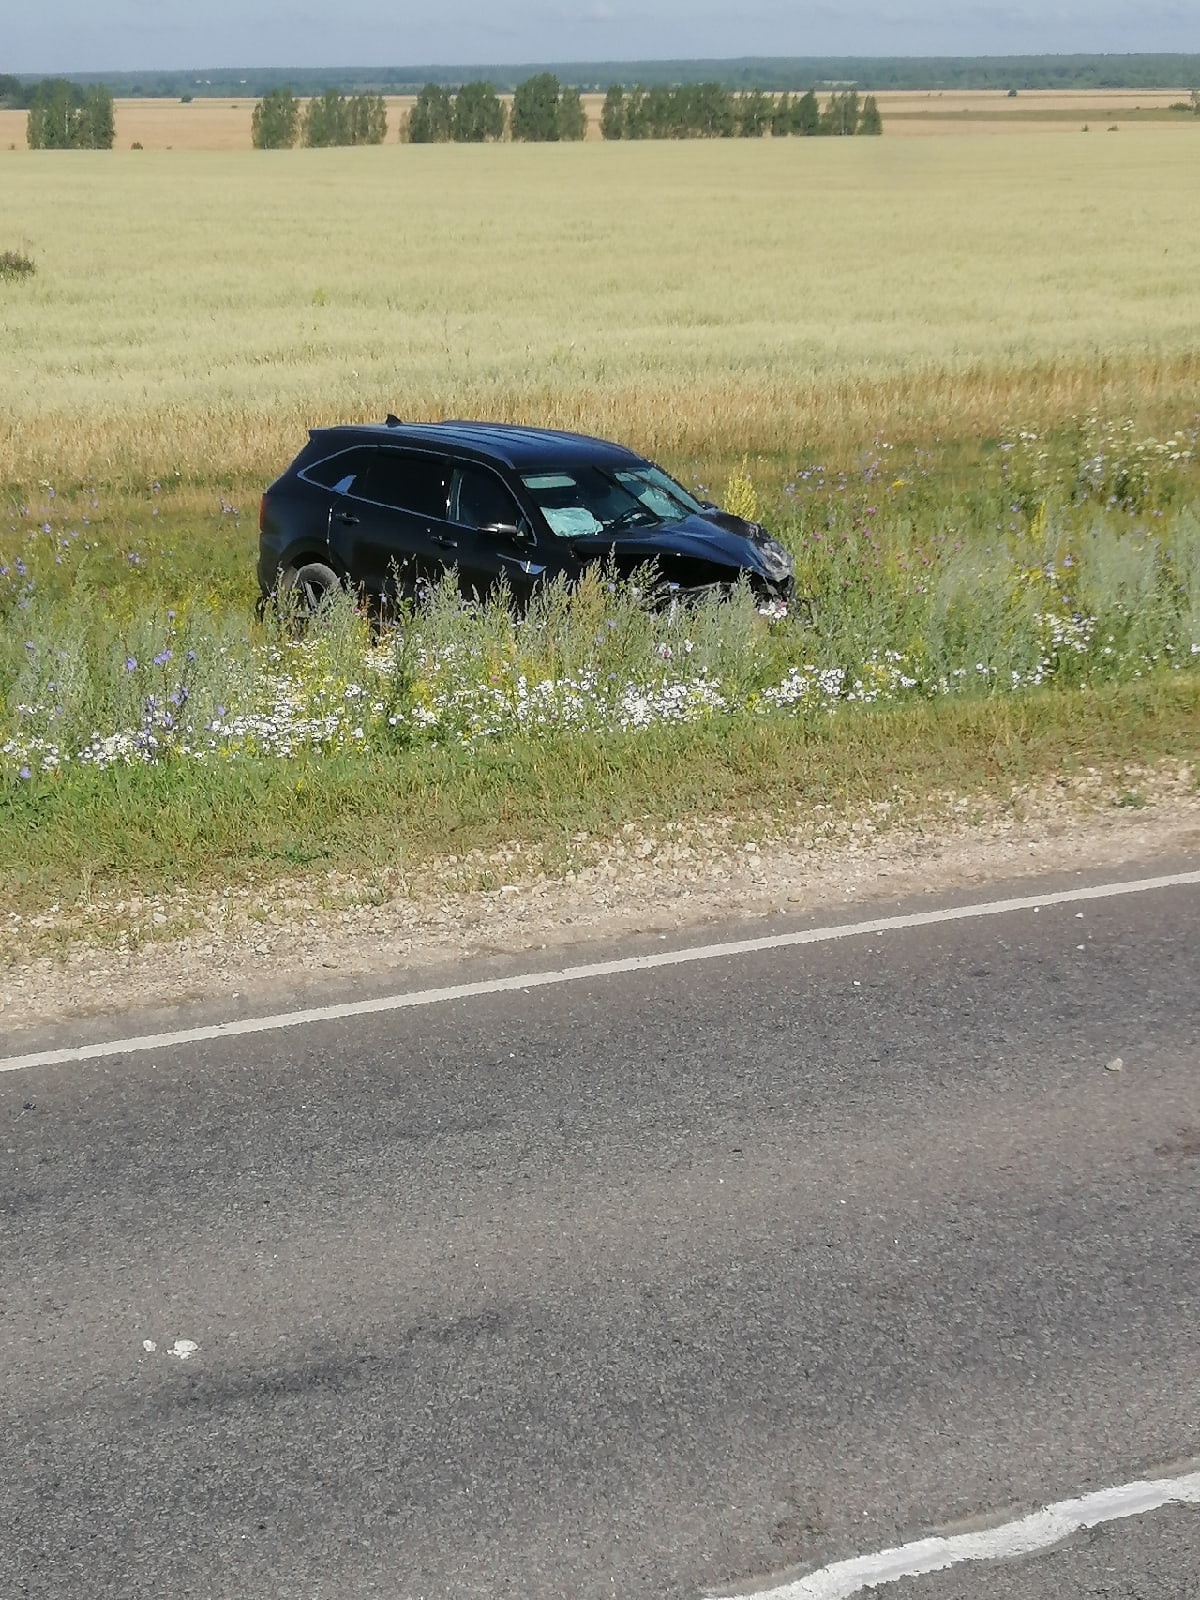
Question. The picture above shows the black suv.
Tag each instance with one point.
(387, 508)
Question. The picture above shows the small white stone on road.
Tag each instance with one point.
(149, 1346)
(183, 1348)
(1114, 1065)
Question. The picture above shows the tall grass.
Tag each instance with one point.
(1075, 571)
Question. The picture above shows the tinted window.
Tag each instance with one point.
(591, 499)
(408, 482)
(341, 471)
(480, 499)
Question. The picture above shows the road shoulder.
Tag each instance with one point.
(319, 936)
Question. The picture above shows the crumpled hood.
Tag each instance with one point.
(714, 536)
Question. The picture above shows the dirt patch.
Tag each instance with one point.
(162, 950)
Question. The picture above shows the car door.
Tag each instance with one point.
(496, 539)
(389, 528)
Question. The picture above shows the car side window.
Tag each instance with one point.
(480, 499)
(340, 472)
(408, 482)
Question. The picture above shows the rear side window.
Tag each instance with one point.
(340, 472)
(408, 482)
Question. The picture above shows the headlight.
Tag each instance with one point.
(777, 563)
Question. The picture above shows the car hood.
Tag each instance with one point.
(715, 536)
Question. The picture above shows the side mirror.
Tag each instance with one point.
(708, 505)
(518, 533)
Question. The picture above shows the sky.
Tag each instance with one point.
(135, 35)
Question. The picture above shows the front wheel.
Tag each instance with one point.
(305, 591)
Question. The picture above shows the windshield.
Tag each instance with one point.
(589, 499)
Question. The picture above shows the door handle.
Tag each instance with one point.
(444, 542)
(348, 518)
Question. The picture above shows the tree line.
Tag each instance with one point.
(545, 111)
(872, 74)
(709, 111)
(66, 116)
(329, 119)
(541, 110)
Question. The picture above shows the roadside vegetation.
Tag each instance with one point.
(988, 478)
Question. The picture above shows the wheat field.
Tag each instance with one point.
(194, 311)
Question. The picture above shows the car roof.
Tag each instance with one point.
(510, 443)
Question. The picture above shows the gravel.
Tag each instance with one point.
(104, 956)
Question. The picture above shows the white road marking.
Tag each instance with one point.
(1038, 1531)
(596, 969)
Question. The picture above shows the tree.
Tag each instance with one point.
(55, 109)
(276, 120)
(840, 116)
(97, 127)
(806, 115)
(572, 118)
(326, 120)
(11, 93)
(869, 120)
(753, 114)
(636, 126)
(478, 114)
(535, 109)
(612, 115)
(431, 120)
(660, 112)
(367, 119)
(712, 111)
(781, 117)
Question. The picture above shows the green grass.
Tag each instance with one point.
(254, 822)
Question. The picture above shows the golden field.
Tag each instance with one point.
(194, 311)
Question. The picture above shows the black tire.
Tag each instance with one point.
(305, 590)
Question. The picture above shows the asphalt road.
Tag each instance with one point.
(652, 1285)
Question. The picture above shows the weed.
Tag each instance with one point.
(16, 264)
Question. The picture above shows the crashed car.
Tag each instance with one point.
(386, 509)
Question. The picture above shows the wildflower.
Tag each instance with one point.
(161, 659)
(23, 772)
(130, 663)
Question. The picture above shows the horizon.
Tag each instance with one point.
(445, 68)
